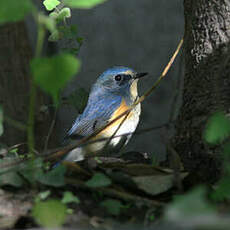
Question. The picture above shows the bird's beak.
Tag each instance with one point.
(140, 75)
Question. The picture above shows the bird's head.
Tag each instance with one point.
(119, 80)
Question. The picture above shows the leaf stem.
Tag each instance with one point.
(31, 120)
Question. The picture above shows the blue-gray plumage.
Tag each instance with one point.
(113, 93)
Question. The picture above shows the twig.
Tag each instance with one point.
(50, 130)
(177, 89)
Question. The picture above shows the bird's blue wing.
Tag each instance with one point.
(95, 116)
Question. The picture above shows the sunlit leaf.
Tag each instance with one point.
(69, 197)
(1, 121)
(51, 213)
(53, 73)
(61, 15)
(12, 11)
(55, 177)
(99, 180)
(51, 4)
(83, 4)
(217, 129)
(42, 195)
(192, 204)
(113, 206)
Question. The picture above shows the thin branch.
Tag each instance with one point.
(50, 130)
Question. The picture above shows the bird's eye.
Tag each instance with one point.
(118, 77)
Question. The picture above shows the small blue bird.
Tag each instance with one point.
(113, 93)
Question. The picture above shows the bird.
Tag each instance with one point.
(114, 92)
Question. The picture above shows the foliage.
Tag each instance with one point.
(222, 189)
(112, 206)
(51, 4)
(52, 74)
(12, 11)
(193, 204)
(50, 214)
(31, 171)
(55, 177)
(98, 180)
(217, 129)
(42, 195)
(69, 197)
(83, 4)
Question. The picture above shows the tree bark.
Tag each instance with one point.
(206, 84)
(15, 57)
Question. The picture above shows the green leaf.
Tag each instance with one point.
(217, 129)
(188, 206)
(69, 197)
(83, 4)
(51, 4)
(48, 22)
(12, 11)
(52, 74)
(54, 36)
(226, 151)
(1, 121)
(112, 206)
(42, 195)
(61, 15)
(222, 190)
(11, 178)
(30, 169)
(98, 180)
(50, 214)
(54, 177)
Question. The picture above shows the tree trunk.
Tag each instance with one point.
(206, 84)
(15, 78)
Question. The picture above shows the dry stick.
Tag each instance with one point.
(172, 116)
(141, 99)
(50, 130)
